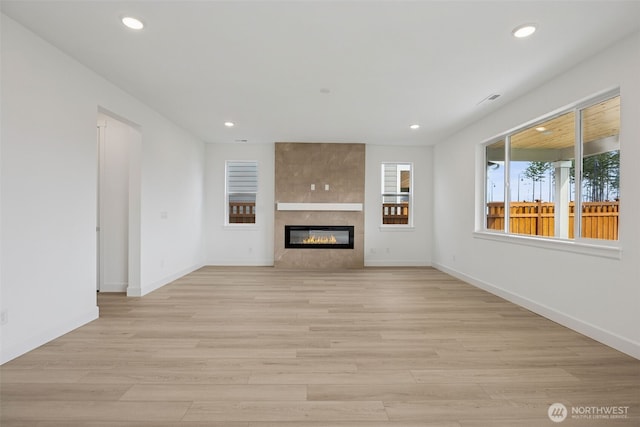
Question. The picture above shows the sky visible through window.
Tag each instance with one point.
(523, 189)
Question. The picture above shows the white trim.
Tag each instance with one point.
(237, 262)
(139, 292)
(319, 206)
(114, 287)
(603, 336)
(134, 291)
(603, 251)
(247, 226)
(396, 263)
(57, 330)
(396, 227)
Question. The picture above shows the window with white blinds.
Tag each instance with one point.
(396, 193)
(241, 191)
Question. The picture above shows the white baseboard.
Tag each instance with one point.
(396, 263)
(57, 330)
(113, 287)
(141, 291)
(241, 263)
(270, 263)
(608, 338)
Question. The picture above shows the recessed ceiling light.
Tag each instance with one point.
(229, 124)
(133, 23)
(524, 30)
(415, 126)
(541, 128)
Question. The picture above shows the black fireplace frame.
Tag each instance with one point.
(289, 228)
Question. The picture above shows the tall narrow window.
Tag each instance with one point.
(397, 184)
(600, 197)
(495, 213)
(241, 191)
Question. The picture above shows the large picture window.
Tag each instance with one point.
(241, 191)
(397, 194)
(535, 186)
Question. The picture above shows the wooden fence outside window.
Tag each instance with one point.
(599, 219)
(242, 213)
(395, 213)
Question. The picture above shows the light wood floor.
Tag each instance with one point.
(262, 347)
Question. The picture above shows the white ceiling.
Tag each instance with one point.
(387, 64)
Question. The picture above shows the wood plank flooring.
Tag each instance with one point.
(263, 347)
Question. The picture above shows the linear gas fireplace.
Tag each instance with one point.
(318, 236)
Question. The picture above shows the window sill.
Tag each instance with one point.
(598, 250)
(399, 227)
(241, 227)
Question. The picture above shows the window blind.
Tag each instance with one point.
(242, 181)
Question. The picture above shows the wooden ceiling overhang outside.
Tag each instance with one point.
(554, 139)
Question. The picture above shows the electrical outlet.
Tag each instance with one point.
(4, 317)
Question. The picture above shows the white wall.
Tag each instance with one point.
(597, 296)
(48, 178)
(239, 244)
(386, 246)
(172, 204)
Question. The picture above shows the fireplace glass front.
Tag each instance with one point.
(318, 236)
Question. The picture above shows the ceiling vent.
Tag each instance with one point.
(491, 97)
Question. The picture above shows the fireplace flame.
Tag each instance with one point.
(320, 240)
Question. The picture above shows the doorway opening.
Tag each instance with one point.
(118, 208)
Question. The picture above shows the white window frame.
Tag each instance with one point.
(227, 193)
(595, 247)
(409, 225)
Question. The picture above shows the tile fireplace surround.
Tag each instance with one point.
(319, 184)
